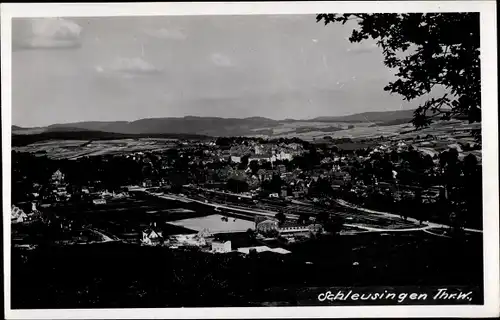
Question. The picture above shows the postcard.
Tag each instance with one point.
(250, 160)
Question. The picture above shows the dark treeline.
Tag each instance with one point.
(119, 275)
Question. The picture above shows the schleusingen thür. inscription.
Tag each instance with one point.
(388, 296)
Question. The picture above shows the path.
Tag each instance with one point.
(371, 229)
(105, 237)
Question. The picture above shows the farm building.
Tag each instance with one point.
(18, 215)
(57, 177)
(292, 229)
(260, 249)
(98, 201)
(221, 247)
(152, 236)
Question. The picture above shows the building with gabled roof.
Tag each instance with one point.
(221, 247)
(152, 236)
(58, 176)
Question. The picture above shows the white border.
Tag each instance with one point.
(490, 150)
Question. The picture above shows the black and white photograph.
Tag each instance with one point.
(279, 159)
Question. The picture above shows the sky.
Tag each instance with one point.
(128, 68)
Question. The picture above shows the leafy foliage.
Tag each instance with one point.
(427, 50)
(281, 217)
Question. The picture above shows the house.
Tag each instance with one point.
(120, 195)
(264, 174)
(281, 168)
(221, 247)
(152, 236)
(283, 156)
(57, 176)
(342, 175)
(386, 186)
(326, 160)
(455, 146)
(190, 240)
(432, 194)
(261, 158)
(315, 227)
(99, 201)
(298, 193)
(236, 159)
(61, 192)
(292, 229)
(66, 225)
(106, 194)
(284, 192)
(18, 215)
(258, 150)
(260, 249)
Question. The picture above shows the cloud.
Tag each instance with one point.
(130, 67)
(221, 60)
(45, 33)
(163, 33)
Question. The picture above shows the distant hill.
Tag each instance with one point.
(395, 122)
(378, 116)
(16, 130)
(212, 126)
(107, 126)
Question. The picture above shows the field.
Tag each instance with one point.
(367, 130)
(73, 149)
(36, 232)
(215, 224)
(317, 130)
(127, 218)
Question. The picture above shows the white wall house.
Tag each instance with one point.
(58, 176)
(99, 201)
(18, 215)
(221, 247)
(151, 237)
(235, 159)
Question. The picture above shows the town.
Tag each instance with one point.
(300, 189)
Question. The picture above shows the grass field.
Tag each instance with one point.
(73, 149)
(305, 130)
(215, 224)
(126, 218)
